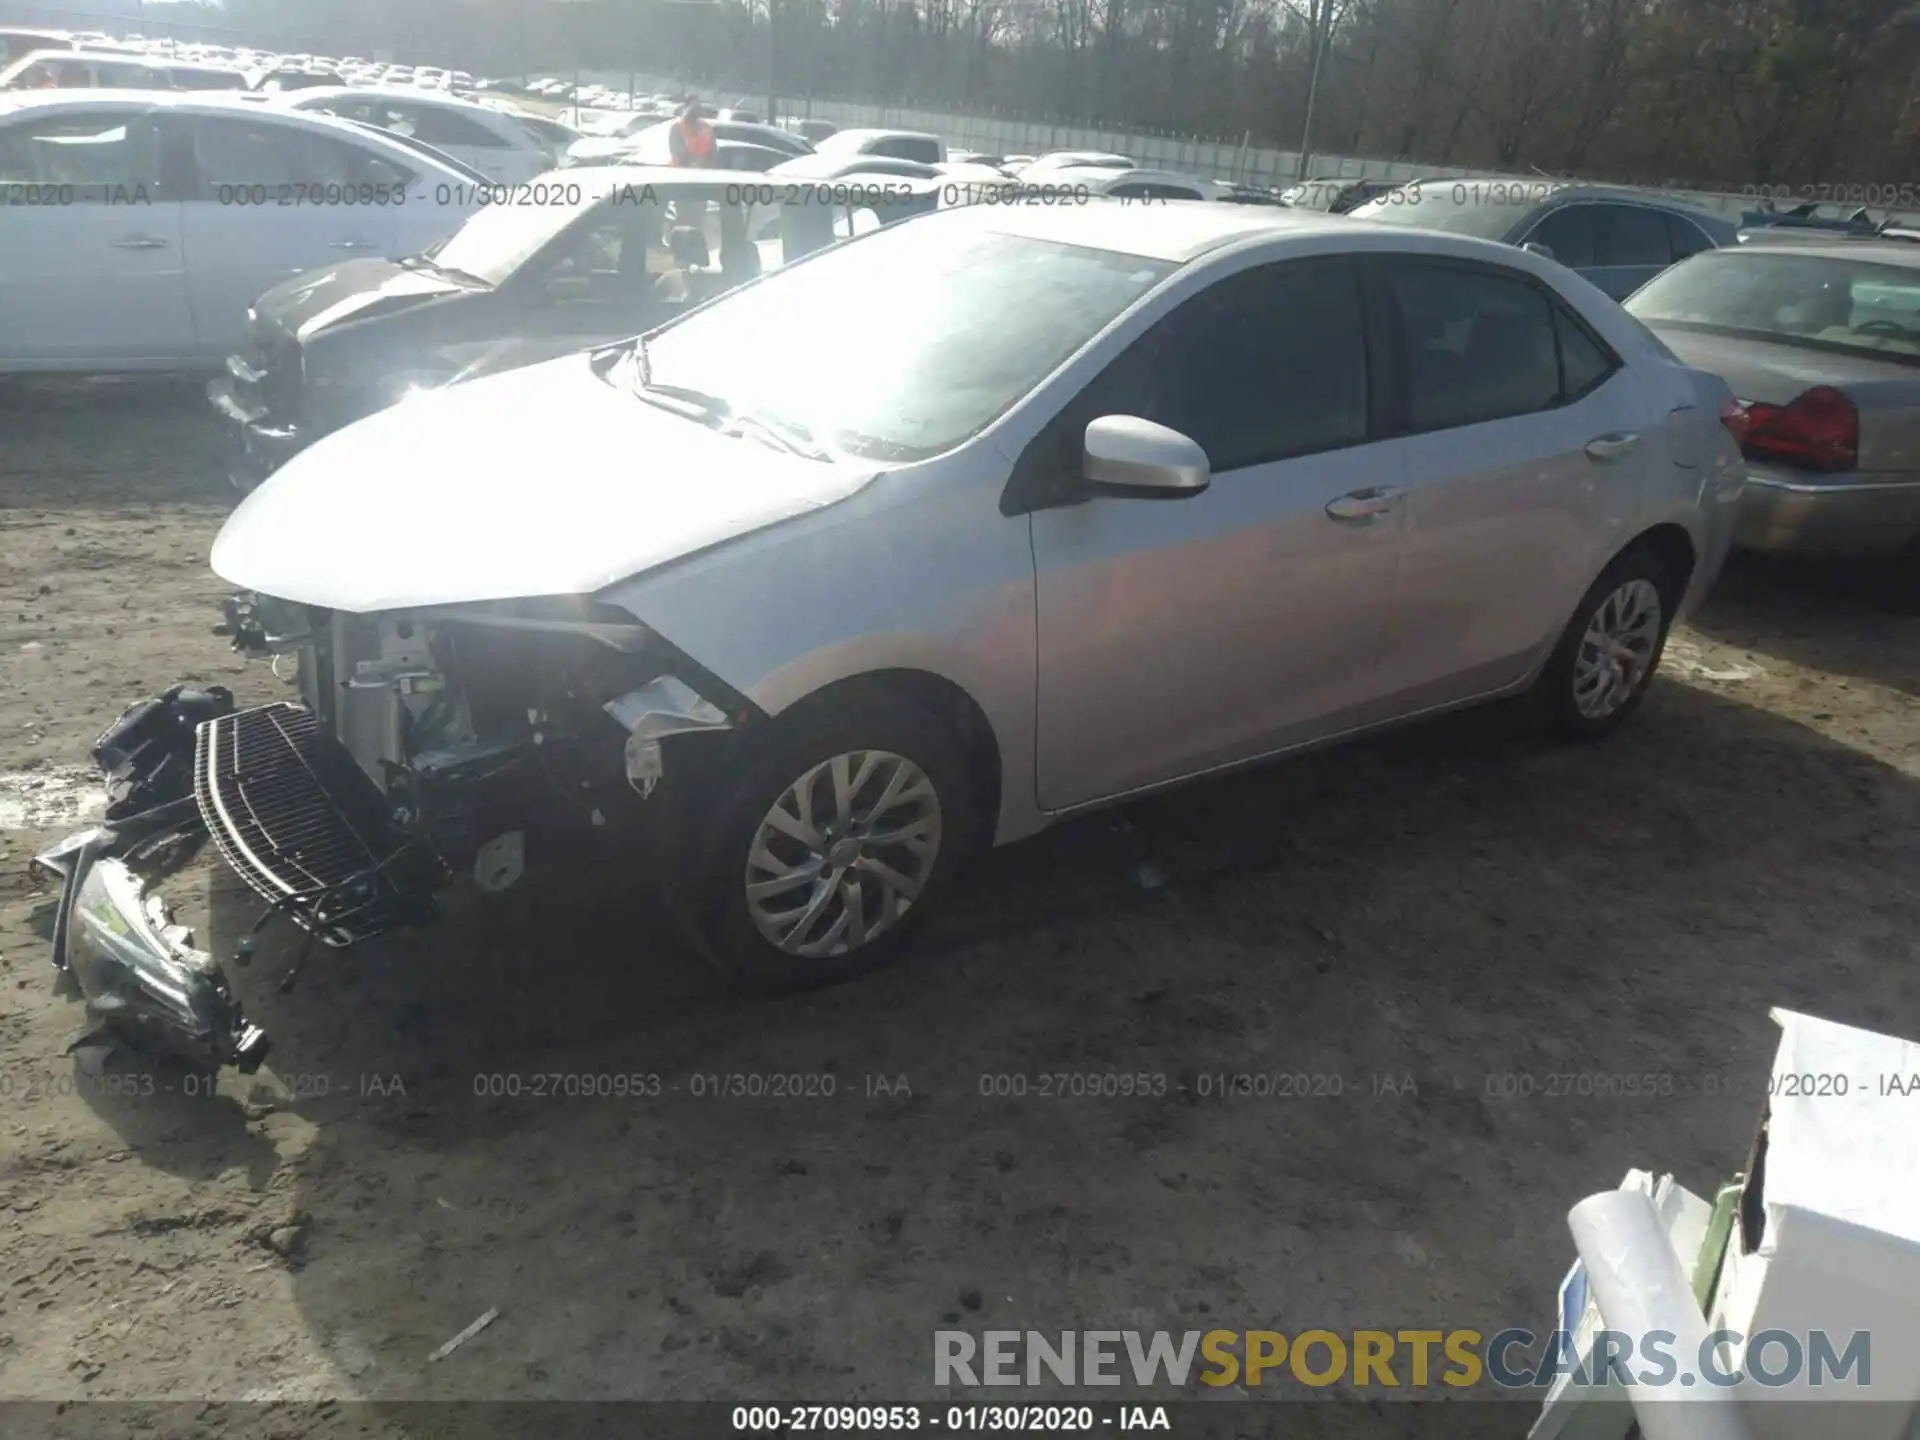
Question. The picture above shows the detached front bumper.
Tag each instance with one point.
(291, 814)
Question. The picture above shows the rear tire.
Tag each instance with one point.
(1599, 672)
(840, 830)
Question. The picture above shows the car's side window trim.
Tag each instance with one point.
(1674, 217)
(1565, 314)
(1035, 481)
(1395, 331)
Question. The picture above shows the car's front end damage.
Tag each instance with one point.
(426, 747)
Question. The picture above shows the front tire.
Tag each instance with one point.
(1599, 672)
(841, 830)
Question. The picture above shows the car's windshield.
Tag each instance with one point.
(905, 343)
(1485, 209)
(501, 238)
(1816, 301)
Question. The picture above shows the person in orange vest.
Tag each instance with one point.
(691, 138)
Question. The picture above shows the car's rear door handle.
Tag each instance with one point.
(140, 242)
(1611, 447)
(1364, 505)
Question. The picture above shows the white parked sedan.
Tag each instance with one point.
(139, 227)
(492, 141)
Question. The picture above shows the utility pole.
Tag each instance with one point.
(1319, 31)
(773, 69)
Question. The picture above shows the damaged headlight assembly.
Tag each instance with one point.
(425, 745)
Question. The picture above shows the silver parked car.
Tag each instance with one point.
(916, 546)
(1819, 336)
(1618, 239)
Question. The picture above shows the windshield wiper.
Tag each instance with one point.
(713, 409)
(681, 398)
(794, 439)
(427, 262)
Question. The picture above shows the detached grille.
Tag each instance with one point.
(302, 824)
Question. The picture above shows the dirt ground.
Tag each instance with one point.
(1445, 907)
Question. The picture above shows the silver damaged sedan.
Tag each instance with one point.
(908, 549)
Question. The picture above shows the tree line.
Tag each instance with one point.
(1813, 94)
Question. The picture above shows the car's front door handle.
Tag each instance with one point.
(1611, 447)
(1365, 505)
(352, 244)
(140, 242)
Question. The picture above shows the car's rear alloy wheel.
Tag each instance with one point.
(1606, 658)
(841, 857)
(1618, 649)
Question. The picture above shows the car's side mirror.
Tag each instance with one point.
(1127, 457)
(1545, 252)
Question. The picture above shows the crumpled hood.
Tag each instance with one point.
(316, 299)
(541, 481)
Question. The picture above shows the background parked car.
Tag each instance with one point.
(15, 43)
(822, 167)
(184, 209)
(1132, 183)
(812, 131)
(1333, 194)
(1617, 239)
(1819, 336)
(492, 141)
(515, 285)
(96, 70)
(886, 144)
(650, 144)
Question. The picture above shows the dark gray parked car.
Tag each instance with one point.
(1618, 239)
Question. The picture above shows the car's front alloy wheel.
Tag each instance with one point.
(841, 857)
(839, 825)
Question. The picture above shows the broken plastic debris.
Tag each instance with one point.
(664, 706)
(501, 861)
(465, 1335)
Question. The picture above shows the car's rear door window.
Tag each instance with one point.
(94, 155)
(1634, 235)
(1475, 345)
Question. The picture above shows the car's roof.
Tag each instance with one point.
(1176, 233)
(137, 57)
(298, 98)
(212, 101)
(1544, 188)
(1184, 233)
(606, 179)
(1829, 246)
(877, 133)
(1101, 174)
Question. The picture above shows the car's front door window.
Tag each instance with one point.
(1568, 233)
(1267, 364)
(1179, 635)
